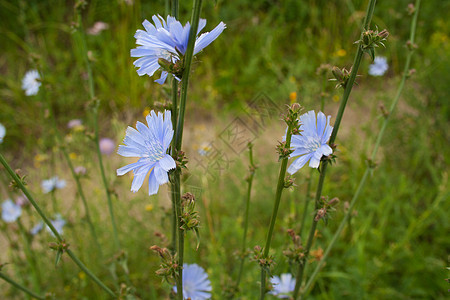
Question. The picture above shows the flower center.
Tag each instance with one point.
(312, 144)
(155, 150)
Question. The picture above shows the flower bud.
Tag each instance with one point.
(383, 34)
(295, 107)
(165, 64)
(337, 73)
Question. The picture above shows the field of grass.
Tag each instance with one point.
(395, 245)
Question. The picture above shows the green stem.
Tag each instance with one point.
(372, 158)
(96, 130)
(175, 9)
(20, 287)
(280, 187)
(340, 114)
(174, 154)
(30, 198)
(54, 204)
(252, 168)
(179, 134)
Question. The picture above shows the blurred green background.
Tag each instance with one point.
(396, 247)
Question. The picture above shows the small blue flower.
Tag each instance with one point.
(167, 40)
(58, 223)
(311, 143)
(49, 185)
(282, 287)
(31, 83)
(150, 144)
(196, 285)
(379, 67)
(10, 211)
(37, 228)
(2, 132)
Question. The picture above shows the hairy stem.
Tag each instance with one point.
(280, 187)
(179, 135)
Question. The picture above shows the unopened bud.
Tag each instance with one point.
(165, 64)
(383, 34)
(337, 73)
(295, 107)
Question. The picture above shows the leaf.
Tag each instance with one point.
(58, 257)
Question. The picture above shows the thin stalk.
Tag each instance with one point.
(175, 9)
(179, 136)
(96, 131)
(340, 114)
(280, 187)
(74, 175)
(249, 179)
(54, 204)
(30, 198)
(20, 287)
(372, 158)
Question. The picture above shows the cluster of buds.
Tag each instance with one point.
(13, 184)
(341, 76)
(283, 151)
(264, 262)
(372, 39)
(189, 219)
(168, 268)
(383, 110)
(176, 68)
(181, 160)
(59, 247)
(295, 253)
(323, 213)
(411, 46)
(371, 164)
(288, 181)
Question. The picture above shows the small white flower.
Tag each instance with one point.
(52, 184)
(283, 285)
(31, 83)
(379, 67)
(10, 211)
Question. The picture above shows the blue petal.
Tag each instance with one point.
(163, 78)
(128, 168)
(139, 178)
(299, 163)
(207, 38)
(328, 130)
(128, 151)
(167, 163)
(153, 185)
(161, 175)
(321, 123)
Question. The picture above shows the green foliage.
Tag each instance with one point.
(396, 247)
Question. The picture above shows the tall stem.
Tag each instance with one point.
(179, 135)
(96, 129)
(31, 257)
(280, 187)
(20, 287)
(372, 158)
(340, 114)
(30, 198)
(252, 169)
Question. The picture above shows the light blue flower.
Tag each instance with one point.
(49, 185)
(196, 285)
(37, 228)
(283, 285)
(167, 40)
(311, 143)
(2, 132)
(58, 223)
(10, 211)
(31, 83)
(379, 67)
(150, 144)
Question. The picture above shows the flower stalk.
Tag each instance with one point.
(46, 220)
(20, 287)
(176, 188)
(370, 166)
(347, 90)
(292, 121)
(96, 127)
(249, 179)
